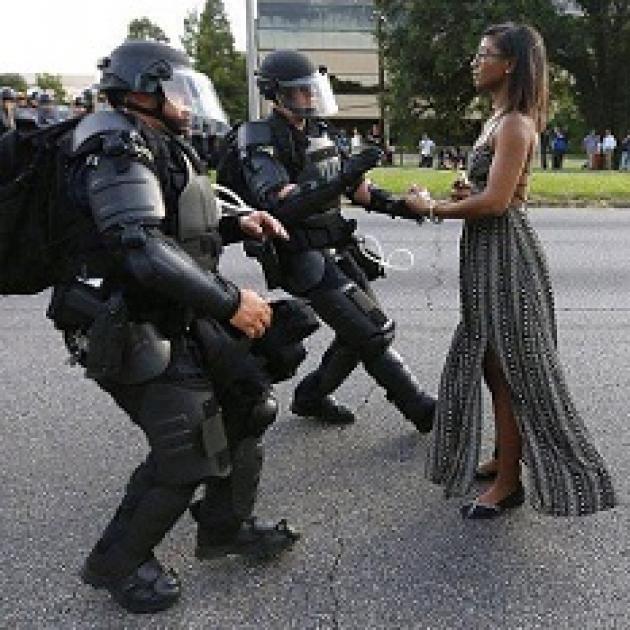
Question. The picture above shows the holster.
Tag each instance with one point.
(117, 350)
(372, 264)
(106, 340)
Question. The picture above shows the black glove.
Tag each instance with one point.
(354, 167)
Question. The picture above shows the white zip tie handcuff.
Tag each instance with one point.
(239, 208)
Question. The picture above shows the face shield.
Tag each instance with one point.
(310, 97)
(190, 94)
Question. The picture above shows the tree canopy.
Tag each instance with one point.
(209, 42)
(429, 45)
(13, 80)
(143, 28)
(51, 82)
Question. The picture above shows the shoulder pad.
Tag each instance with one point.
(98, 123)
(255, 133)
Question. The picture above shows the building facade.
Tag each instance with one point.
(339, 34)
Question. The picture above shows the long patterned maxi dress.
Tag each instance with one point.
(507, 305)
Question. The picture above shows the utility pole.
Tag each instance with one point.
(380, 19)
(253, 99)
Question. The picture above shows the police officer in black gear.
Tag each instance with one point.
(7, 109)
(290, 166)
(153, 333)
(46, 110)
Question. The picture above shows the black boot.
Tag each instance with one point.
(226, 525)
(312, 397)
(149, 588)
(252, 538)
(402, 388)
(325, 409)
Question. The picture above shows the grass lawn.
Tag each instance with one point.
(571, 186)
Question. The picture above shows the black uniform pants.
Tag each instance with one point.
(342, 356)
(174, 411)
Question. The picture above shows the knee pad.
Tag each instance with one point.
(263, 415)
(185, 431)
(356, 318)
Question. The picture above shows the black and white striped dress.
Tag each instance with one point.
(507, 304)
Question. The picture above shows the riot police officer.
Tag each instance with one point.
(7, 109)
(289, 166)
(162, 324)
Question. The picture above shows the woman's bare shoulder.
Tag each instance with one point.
(517, 122)
(517, 126)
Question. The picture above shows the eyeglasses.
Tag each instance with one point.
(484, 54)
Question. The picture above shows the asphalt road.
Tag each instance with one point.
(381, 547)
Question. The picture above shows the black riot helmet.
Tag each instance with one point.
(45, 98)
(155, 68)
(289, 78)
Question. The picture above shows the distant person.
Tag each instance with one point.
(356, 142)
(624, 164)
(79, 106)
(559, 147)
(545, 137)
(46, 110)
(26, 113)
(374, 137)
(426, 148)
(590, 144)
(609, 144)
(7, 109)
(343, 142)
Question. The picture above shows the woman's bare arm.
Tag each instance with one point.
(513, 142)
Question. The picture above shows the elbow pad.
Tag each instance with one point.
(163, 266)
(264, 177)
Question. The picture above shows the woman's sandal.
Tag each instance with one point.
(476, 510)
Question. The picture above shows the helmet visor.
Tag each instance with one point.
(311, 97)
(189, 94)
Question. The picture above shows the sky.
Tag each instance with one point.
(69, 36)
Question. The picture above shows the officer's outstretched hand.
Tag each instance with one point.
(253, 316)
(355, 166)
(259, 223)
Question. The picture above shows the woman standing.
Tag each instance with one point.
(507, 333)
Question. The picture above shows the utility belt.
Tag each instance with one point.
(101, 338)
(369, 261)
(322, 231)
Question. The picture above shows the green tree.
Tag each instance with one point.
(428, 48)
(53, 83)
(429, 44)
(209, 42)
(594, 47)
(143, 28)
(16, 81)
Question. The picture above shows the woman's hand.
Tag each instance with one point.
(461, 188)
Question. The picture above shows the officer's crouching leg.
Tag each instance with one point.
(313, 395)
(174, 418)
(226, 524)
(403, 389)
